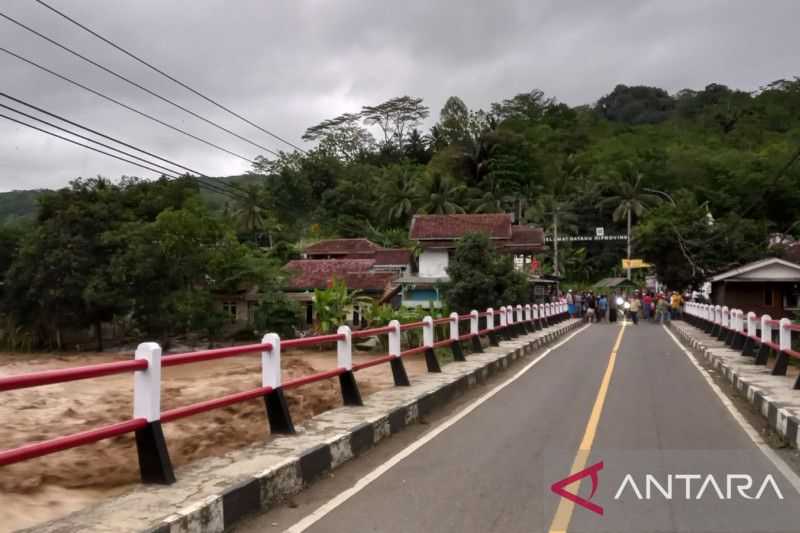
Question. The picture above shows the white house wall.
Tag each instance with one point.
(433, 264)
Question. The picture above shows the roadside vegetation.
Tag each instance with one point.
(702, 177)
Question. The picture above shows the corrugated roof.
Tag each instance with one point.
(614, 282)
(393, 256)
(319, 273)
(526, 236)
(496, 225)
(756, 265)
(343, 247)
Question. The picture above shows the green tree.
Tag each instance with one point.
(439, 195)
(277, 313)
(480, 277)
(629, 197)
(332, 305)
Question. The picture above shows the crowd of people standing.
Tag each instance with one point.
(649, 306)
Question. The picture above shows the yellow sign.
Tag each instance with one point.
(634, 263)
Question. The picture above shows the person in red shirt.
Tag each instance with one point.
(647, 306)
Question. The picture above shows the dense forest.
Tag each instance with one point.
(705, 176)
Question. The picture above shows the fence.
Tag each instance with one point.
(759, 337)
(154, 462)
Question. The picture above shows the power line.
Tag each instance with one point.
(168, 76)
(87, 146)
(108, 137)
(121, 104)
(85, 138)
(133, 83)
(171, 173)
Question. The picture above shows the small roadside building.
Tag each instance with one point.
(769, 286)
(306, 275)
(614, 284)
(437, 237)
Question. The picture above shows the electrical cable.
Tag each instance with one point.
(168, 76)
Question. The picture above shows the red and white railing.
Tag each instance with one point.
(760, 337)
(154, 462)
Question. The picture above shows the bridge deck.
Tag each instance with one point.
(492, 469)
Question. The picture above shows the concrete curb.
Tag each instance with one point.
(771, 396)
(226, 489)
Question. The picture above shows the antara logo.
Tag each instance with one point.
(735, 485)
(559, 487)
(673, 486)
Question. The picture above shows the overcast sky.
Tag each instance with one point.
(290, 64)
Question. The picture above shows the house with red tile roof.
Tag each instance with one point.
(437, 236)
(360, 263)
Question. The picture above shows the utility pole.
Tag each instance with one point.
(555, 244)
(629, 244)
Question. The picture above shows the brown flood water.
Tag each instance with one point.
(42, 489)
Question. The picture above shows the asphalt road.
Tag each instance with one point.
(644, 410)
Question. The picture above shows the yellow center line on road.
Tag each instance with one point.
(563, 514)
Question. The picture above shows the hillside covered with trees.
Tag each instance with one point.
(705, 176)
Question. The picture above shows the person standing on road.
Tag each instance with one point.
(579, 304)
(602, 307)
(635, 307)
(675, 304)
(591, 305)
(662, 309)
(612, 307)
(571, 304)
(647, 306)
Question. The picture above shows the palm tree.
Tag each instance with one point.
(439, 195)
(400, 195)
(248, 211)
(630, 198)
(555, 208)
(554, 212)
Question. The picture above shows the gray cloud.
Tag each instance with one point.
(288, 65)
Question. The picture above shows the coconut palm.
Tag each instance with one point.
(247, 210)
(400, 194)
(439, 195)
(629, 197)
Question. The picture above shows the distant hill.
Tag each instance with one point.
(19, 205)
(22, 205)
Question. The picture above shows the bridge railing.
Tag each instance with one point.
(760, 337)
(154, 462)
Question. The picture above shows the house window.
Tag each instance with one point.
(229, 309)
(768, 296)
(791, 299)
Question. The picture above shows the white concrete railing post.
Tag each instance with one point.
(752, 324)
(726, 318)
(785, 335)
(147, 383)
(740, 321)
(490, 319)
(510, 313)
(394, 338)
(520, 315)
(718, 315)
(271, 361)
(344, 348)
(542, 311)
(766, 329)
(503, 317)
(528, 313)
(454, 327)
(474, 324)
(427, 331)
